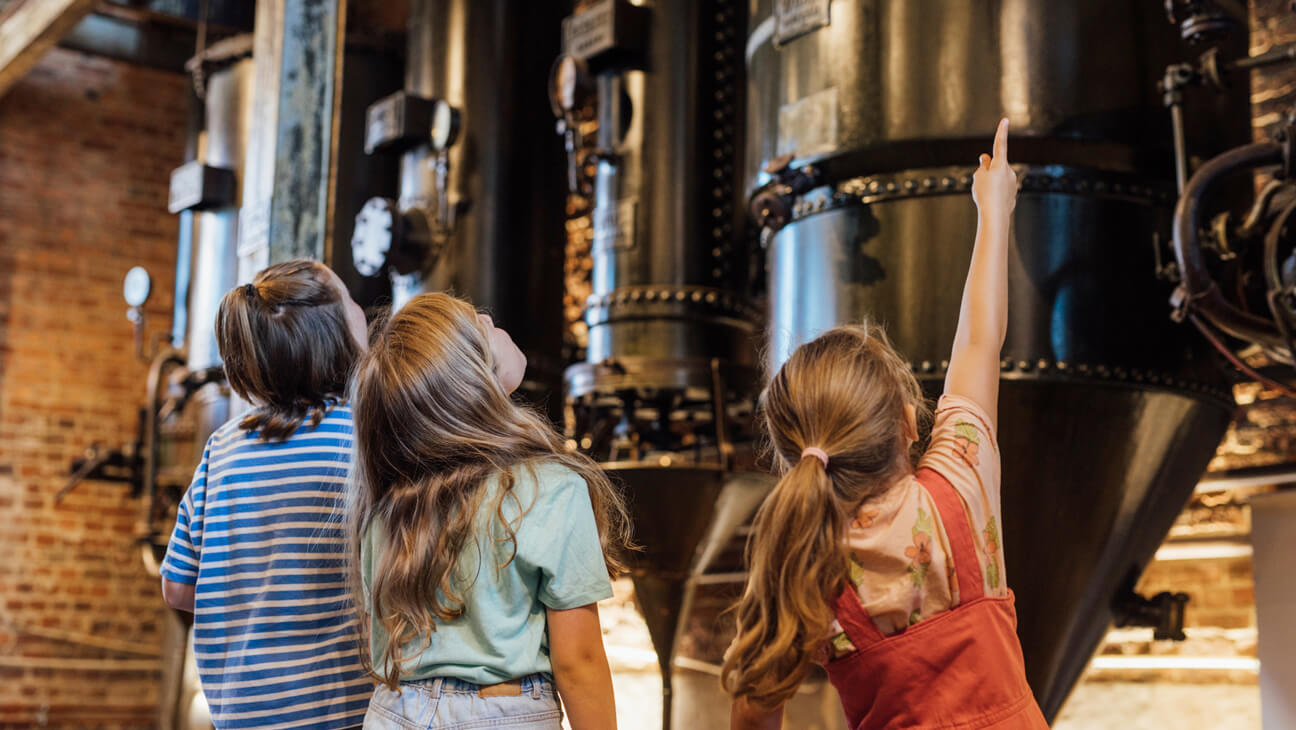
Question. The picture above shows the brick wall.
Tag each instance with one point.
(86, 146)
(1272, 24)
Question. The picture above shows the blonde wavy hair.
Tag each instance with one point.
(432, 426)
(846, 392)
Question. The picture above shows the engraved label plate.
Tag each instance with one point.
(589, 32)
(186, 187)
(795, 18)
(614, 226)
(254, 229)
(808, 127)
(382, 122)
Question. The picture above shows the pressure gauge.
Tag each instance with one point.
(445, 125)
(568, 86)
(375, 227)
(137, 286)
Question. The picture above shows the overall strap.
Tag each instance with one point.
(854, 620)
(967, 568)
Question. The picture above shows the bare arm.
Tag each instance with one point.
(983, 319)
(179, 596)
(580, 667)
(743, 716)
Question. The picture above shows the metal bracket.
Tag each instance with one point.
(771, 207)
(1164, 613)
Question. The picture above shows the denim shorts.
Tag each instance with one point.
(451, 704)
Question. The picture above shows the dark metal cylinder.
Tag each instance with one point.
(669, 279)
(1109, 410)
(489, 59)
(215, 249)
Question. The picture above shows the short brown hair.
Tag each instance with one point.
(286, 346)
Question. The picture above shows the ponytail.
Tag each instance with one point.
(836, 414)
(286, 346)
(783, 618)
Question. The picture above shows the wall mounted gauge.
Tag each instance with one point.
(445, 125)
(137, 286)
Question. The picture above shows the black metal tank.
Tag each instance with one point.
(664, 397)
(865, 118)
(481, 210)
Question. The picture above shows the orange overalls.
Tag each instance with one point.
(959, 669)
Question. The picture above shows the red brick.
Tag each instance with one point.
(83, 188)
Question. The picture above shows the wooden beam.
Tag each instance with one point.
(291, 153)
(32, 28)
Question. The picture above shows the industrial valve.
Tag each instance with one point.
(408, 240)
(1164, 613)
(771, 207)
(443, 134)
(1204, 21)
(386, 236)
(570, 92)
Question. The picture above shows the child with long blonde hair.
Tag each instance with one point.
(892, 579)
(480, 544)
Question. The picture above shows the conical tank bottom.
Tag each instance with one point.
(1094, 475)
(682, 516)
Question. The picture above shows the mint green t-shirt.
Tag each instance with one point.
(502, 632)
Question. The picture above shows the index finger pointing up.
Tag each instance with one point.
(1001, 141)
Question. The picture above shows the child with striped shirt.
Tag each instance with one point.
(258, 549)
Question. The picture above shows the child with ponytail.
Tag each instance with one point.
(891, 578)
(257, 555)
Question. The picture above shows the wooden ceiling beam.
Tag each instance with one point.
(31, 29)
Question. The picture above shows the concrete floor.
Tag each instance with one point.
(1093, 706)
(1154, 706)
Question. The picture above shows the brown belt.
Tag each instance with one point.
(511, 688)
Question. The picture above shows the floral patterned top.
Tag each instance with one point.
(899, 552)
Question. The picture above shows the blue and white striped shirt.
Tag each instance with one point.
(260, 535)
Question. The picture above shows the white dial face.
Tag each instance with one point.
(443, 123)
(566, 83)
(137, 286)
(372, 237)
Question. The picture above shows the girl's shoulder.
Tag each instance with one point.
(542, 478)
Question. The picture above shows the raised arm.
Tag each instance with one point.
(983, 320)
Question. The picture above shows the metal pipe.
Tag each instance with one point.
(1270, 57)
(1200, 292)
(1255, 216)
(1180, 146)
(167, 355)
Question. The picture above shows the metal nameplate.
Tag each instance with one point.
(382, 123)
(186, 187)
(254, 229)
(614, 225)
(196, 186)
(591, 31)
(808, 126)
(400, 120)
(795, 18)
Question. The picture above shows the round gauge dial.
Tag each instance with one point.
(445, 125)
(372, 238)
(137, 286)
(568, 85)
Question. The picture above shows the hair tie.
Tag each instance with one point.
(249, 290)
(817, 453)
